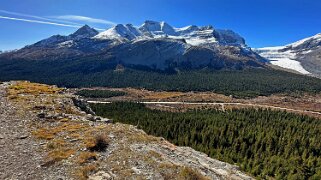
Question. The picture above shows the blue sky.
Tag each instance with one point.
(260, 22)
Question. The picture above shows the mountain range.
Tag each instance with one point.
(160, 46)
(155, 45)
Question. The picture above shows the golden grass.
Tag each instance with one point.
(83, 172)
(60, 154)
(49, 133)
(44, 133)
(85, 157)
(32, 88)
(56, 144)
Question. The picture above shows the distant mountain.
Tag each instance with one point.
(303, 56)
(156, 45)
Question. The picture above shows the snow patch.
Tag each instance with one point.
(66, 44)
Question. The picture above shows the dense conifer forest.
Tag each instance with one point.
(99, 93)
(264, 143)
(93, 73)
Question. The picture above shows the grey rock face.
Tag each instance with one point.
(168, 53)
(312, 61)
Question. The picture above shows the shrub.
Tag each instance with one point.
(98, 143)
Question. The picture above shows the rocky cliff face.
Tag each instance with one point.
(45, 136)
(153, 44)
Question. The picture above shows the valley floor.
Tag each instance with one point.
(306, 104)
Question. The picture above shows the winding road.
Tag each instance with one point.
(220, 104)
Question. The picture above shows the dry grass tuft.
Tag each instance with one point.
(56, 144)
(60, 154)
(83, 172)
(44, 133)
(85, 157)
(190, 174)
(50, 133)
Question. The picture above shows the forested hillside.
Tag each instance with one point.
(93, 73)
(99, 93)
(264, 143)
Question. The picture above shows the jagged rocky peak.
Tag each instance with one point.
(157, 28)
(230, 37)
(84, 32)
(133, 29)
(120, 32)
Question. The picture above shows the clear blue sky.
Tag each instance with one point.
(260, 22)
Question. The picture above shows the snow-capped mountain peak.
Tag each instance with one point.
(120, 32)
(157, 28)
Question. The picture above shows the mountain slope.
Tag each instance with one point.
(303, 56)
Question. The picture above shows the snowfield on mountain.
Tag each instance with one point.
(303, 56)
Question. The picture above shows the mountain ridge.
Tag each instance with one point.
(156, 45)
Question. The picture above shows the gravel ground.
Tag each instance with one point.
(20, 157)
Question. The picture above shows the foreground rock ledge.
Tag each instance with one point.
(45, 136)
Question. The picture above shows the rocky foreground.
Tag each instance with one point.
(44, 135)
